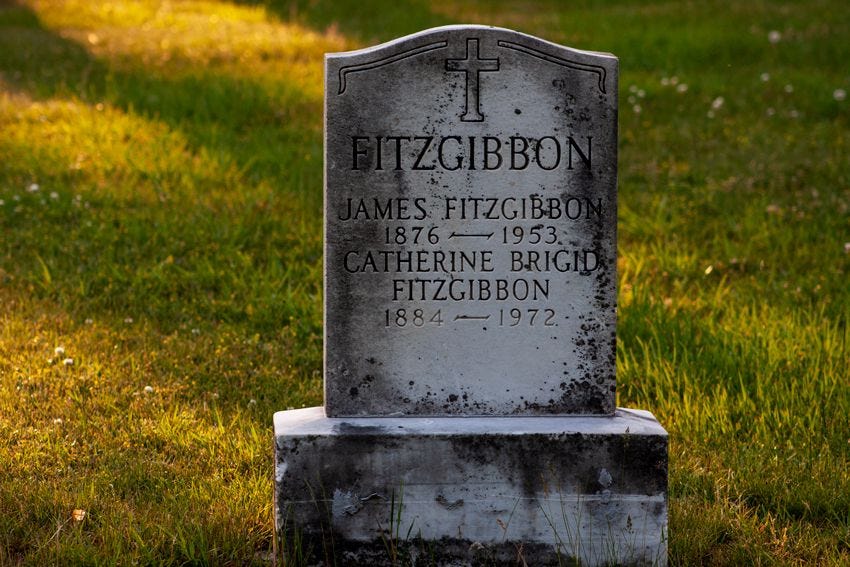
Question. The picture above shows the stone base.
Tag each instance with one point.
(471, 490)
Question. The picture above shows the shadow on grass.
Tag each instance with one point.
(370, 21)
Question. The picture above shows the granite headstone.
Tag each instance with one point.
(470, 318)
(470, 236)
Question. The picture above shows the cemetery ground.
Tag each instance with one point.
(160, 264)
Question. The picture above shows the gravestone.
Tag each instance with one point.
(470, 317)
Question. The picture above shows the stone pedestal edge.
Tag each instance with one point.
(466, 491)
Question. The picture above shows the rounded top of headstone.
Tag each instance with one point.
(461, 29)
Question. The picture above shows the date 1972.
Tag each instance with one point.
(513, 317)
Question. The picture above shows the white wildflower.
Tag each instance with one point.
(128, 320)
(665, 81)
(33, 188)
(89, 321)
(196, 331)
(148, 389)
(683, 88)
(641, 93)
(774, 36)
(252, 402)
(717, 103)
(674, 80)
(770, 111)
(637, 109)
(839, 94)
(633, 89)
(789, 88)
(59, 351)
(2, 202)
(68, 362)
(710, 114)
(57, 421)
(54, 195)
(765, 77)
(847, 247)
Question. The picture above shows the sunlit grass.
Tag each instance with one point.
(174, 38)
(160, 221)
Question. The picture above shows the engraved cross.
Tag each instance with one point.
(472, 65)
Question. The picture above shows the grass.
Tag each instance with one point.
(173, 249)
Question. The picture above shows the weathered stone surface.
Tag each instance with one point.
(478, 490)
(470, 289)
(470, 240)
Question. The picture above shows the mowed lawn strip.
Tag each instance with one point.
(160, 264)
